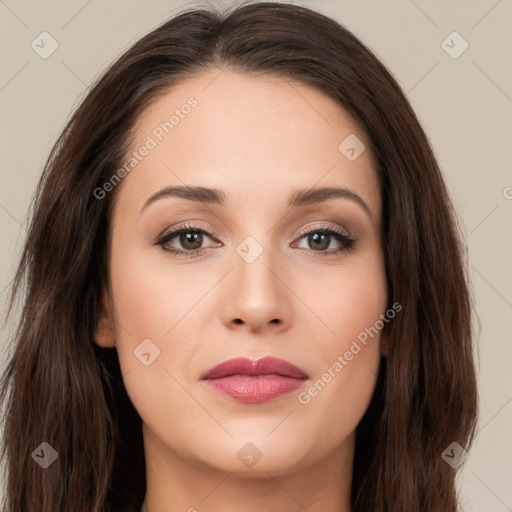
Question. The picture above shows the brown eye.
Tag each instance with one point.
(187, 240)
(190, 240)
(319, 240)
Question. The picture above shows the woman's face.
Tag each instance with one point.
(260, 275)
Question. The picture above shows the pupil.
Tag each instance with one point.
(317, 236)
(190, 238)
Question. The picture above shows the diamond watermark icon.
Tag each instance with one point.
(44, 45)
(454, 45)
(249, 454)
(146, 352)
(249, 249)
(454, 455)
(351, 147)
(45, 455)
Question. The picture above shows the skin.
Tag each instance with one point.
(257, 139)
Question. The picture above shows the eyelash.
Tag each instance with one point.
(347, 241)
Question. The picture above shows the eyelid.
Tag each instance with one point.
(211, 233)
(324, 226)
(188, 226)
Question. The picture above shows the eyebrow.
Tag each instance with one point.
(301, 197)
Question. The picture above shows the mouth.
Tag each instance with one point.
(254, 381)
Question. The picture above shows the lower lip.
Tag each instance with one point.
(255, 389)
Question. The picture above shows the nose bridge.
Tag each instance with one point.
(258, 296)
(254, 269)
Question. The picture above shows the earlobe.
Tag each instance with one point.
(104, 333)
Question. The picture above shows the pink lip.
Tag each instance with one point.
(254, 381)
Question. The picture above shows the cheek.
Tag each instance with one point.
(154, 343)
(156, 309)
(347, 298)
(350, 304)
(150, 295)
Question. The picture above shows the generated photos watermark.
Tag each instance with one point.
(304, 397)
(157, 135)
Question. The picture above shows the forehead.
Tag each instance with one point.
(250, 135)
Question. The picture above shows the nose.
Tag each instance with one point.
(257, 297)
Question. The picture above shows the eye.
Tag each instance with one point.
(190, 238)
(321, 238)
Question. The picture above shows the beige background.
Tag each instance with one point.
(465, 105)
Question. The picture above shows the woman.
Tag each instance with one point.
(245, 287)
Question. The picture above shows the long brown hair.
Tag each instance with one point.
(61, 388)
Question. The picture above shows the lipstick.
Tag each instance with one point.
(254, 381)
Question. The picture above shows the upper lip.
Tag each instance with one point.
(263, 366)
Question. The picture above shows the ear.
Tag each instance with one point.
(105, 332)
